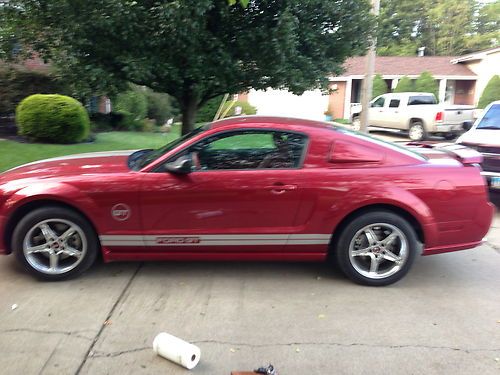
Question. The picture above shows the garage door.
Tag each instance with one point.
(311, 105)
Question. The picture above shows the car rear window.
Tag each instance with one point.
(421, 99)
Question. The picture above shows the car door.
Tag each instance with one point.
(241, 194)
(376, 113)
(394, 118)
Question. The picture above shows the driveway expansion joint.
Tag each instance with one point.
(89, 353)
(50, 332)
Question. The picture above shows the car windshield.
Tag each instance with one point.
(152, 155)
(491, 119)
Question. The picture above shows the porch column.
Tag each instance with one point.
(347, 99)
(442, 90)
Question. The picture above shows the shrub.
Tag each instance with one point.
(160, 107)
(427, 83)
(491, 92)
(16, 84)
(208, 111)
(246, 108)
(133, 106)
(52, 118)
(106, 121)
(405, 84)
(379, 86)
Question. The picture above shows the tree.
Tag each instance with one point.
(490, 93)
(405, 84)
(379, 86)
(194, 50)
(444, 27)
(427, 83)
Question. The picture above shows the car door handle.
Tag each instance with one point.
(281, 188)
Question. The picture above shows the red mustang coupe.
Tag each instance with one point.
(248, 188)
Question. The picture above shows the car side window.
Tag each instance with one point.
(394, 103)
(249, 149)
(379, 102)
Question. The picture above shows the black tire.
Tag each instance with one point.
(57, 217)
(417, 132)
(449, 136)
(351, 265)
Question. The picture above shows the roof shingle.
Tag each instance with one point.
(408, 65)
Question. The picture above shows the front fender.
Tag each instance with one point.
(51, 191)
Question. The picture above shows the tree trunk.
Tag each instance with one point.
(189, 110)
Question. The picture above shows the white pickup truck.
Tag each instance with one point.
(417, 112)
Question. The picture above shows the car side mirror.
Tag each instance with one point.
(467, 125)
(182, 165)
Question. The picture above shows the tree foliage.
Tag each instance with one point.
(444, 27)
(405, 84)
(427, 83)
(379, 86)
(133, 106)
(491, 92)
(194, 50)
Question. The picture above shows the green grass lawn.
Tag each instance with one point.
(13, 153)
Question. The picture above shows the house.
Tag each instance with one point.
(461, 81)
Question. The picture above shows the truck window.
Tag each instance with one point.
(421, 99)
(379, 102)
(394, 103)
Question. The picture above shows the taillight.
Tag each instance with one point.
(439, 117)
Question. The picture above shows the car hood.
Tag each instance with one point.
(486, 137)
(71, 165)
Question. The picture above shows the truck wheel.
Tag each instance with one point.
(417, 131)
(376, 248)
(356, 123)
(54, 243)
(449, 136)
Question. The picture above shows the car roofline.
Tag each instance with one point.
(281, 120)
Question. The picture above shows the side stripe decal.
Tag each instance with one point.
(215, 240)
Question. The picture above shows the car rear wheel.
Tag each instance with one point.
(376, 248)
(55, 243)
(417, 131)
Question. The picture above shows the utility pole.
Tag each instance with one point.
(367, 86)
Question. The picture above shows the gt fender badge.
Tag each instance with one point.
(120, 212)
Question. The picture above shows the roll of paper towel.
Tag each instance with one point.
(176, 350)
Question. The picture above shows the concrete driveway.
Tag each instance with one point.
(444, 317)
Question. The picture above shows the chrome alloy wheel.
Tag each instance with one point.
(416, 132)
(378, 250)
(55, 246)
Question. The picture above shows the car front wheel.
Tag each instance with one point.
(54, 243)
(376, 248)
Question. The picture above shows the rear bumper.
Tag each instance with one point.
(444, 128)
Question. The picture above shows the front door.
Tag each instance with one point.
(242, 195)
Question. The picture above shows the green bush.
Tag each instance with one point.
(405, 84)
(133, 106)
(103, 122)
(209, 110)
(490, 93)
(379, 86)
(17, 84)
(160, 107)
(52, 118)
(427, 83)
